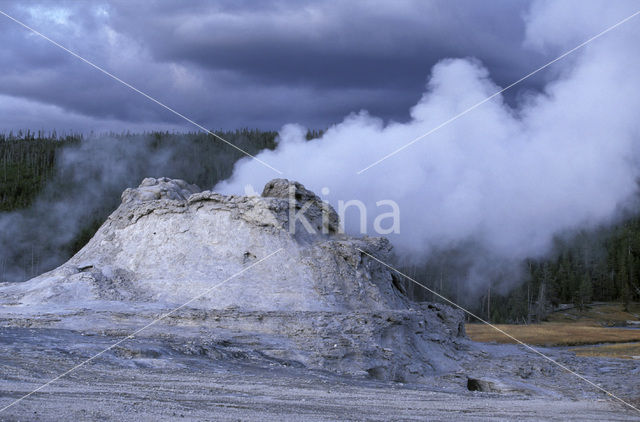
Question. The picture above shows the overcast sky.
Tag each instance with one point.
(251, 64)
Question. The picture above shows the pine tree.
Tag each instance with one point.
(586, 291)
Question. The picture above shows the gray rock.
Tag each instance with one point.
(491, 385)
(321, 215)
(163, 188)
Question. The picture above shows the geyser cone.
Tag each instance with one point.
(318, 301)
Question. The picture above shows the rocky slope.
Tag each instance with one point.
(301, 293)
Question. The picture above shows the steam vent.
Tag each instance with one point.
(305, 299)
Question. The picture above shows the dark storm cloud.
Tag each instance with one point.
(255, 64)
(341, 44)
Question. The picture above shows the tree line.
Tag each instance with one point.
(599, 265)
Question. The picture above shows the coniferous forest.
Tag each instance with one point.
(598, 265)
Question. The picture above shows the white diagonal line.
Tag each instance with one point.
(476, 105)
(112, 76)
(502, 331)
(130, 336)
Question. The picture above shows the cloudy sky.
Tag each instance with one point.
(229, 64)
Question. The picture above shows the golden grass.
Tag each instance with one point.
(571, 327)
(574, 327)
(621, 350)
(553, 334)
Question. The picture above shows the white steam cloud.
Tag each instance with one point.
(505, 179)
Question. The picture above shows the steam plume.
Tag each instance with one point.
(503, 179)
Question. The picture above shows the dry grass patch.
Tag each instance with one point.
(553, 334)
(621, 351)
